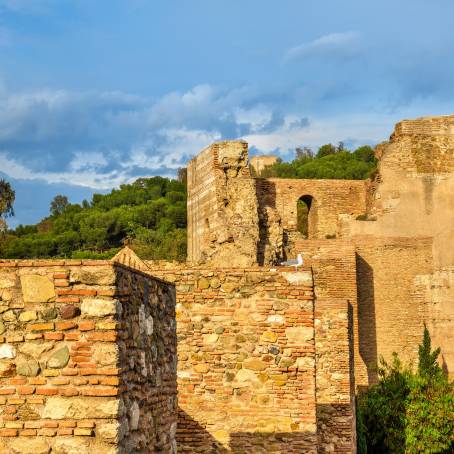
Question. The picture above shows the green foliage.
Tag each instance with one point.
(58, 205)
(150, 213)
(329, 163)
(302, 217)
(428, 367)
(408, 412)
(7, 196)
(326, 150)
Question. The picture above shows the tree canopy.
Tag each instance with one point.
(7, 197)
(58, 204)
(330, 162)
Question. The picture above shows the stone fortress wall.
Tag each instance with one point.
(261, 369)
(87, 359)
(269, 358)
(399, 226)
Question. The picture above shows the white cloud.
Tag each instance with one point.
(344, 44)
(88, 160)
(101, 140)
(89, 178)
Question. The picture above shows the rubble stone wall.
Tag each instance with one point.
(246, 369)
(147, 345)
(335, 383)
(223, 219)
(65, 384)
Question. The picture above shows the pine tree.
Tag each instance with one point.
(427, 365)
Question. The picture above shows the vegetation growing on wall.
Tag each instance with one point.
(149, 213)
(408, 411)
(329, 162)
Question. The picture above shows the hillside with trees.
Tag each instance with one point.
(149, 214)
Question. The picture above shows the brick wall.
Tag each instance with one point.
(335, 278)
(435, 293)
(65, 383)
(330, 199)
(390, 316)
(246, 370)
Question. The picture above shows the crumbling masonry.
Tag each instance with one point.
(269, 358)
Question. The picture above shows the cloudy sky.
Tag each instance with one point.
(97, 93)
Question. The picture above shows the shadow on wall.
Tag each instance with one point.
(335, 422)
(194, 438)
(265, 192)
(366, 317)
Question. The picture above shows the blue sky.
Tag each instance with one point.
(97, 93)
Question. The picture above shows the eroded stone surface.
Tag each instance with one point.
(99, 307)
(37, 288)
(30, 446)
(80, 408)
(7, 351)
(59, 359)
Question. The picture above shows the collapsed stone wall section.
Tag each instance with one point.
(222, 207)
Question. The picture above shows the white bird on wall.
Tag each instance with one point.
(296, 263)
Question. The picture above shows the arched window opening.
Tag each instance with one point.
(303, 212)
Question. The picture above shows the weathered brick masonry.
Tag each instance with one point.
(252, 365)
(330, 198)
(87, 359)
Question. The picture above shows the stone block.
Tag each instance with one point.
(299, 334)
(30, 368)
(37, 288)
(70, 445)
(29, 445)
(81, 408)
(59, 359)
(7, 351)
(28, 316)
(100, 308)
(35, 350)
(93, 275)
(254, 364)
(303, 278)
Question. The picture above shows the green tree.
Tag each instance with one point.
(428, 367)
(7, 197)
(408, 412)
(326, 150)
(58, 205)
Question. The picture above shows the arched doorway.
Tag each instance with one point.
(305, 218)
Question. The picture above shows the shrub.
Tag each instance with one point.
(408, 411)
